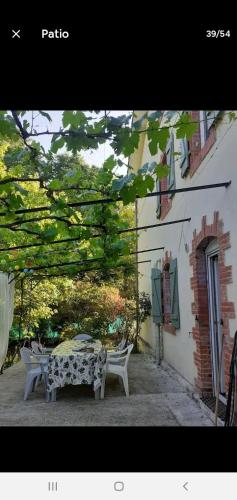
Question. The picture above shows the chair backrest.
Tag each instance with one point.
(122, 355)
(82, 336)
(36, 348)
(26, 357)
(122, 344)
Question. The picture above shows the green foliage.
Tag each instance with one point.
(185, 127)
(157, 136)
(31, 177)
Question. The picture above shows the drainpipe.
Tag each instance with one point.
(161, 347)
(158, 346)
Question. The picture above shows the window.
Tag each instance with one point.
(165, 295)
(207, 119)
(184, 159)
(156, 296)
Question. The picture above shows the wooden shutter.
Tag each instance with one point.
(184, 158)
(174, 294)
(156, 277)
(158, 207)
(170, 163)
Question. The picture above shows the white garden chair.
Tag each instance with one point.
(119, 347)
(117, 363)
(122, 344)
(37, 348)
(82, 336)
(34, 368)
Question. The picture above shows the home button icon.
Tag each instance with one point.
(119, 486)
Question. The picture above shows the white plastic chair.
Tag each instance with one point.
(82, 336)
(122, 344)
(120, 347)
(33, 372)
(117, 363)
(37, 348)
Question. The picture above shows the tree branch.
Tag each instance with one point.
(23, 133)
(19, 179)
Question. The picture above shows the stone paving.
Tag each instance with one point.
(157, 398)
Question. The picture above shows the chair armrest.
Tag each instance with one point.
(114, 362)
(117, 353)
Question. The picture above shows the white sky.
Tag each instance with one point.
(92, 157)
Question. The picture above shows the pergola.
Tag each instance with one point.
(86, 262)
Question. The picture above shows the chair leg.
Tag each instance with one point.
(48, 396)
(125, 383)
(28, 387)
(34, 385)
(97, 394)
(37, 380)
(54, 395)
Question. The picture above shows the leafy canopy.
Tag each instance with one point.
(31, 177)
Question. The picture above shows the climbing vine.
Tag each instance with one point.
(52, 197)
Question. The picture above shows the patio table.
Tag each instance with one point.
(67, 366)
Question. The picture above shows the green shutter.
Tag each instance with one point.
(184, 158)
(170, 163)
(156, 277)
(174, 294)
(158, 207)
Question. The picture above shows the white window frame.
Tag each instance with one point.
(205, 126)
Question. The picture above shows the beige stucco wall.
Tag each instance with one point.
(219, 165)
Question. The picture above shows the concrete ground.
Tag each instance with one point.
(158, 397)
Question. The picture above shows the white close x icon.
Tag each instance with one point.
(16, 34)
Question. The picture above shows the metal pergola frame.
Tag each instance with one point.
(105, 268)
(115, 200)
(65, 240)
(102, 201)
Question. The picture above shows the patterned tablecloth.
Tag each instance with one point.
(69, 367)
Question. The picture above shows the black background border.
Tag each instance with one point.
(140, 64)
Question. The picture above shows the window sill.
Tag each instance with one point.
(169, 328)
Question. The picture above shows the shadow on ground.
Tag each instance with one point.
(157, 398)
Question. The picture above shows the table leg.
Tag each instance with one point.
(48, 397)
(97, 394)
(54, 395)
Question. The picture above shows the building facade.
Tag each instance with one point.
(193, 281)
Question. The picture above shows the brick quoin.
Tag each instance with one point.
(199, 307)
(166, 202)
(198, 152)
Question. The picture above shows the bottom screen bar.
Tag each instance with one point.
(117, 486)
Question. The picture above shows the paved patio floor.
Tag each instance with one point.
(157, 398)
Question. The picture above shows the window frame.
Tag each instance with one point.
(206, 124)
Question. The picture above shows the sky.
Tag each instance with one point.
(93, 157)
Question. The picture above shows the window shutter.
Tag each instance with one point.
(158, 208)
(174, 294)
(184, 158)
(156, 277)
(170, 163)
